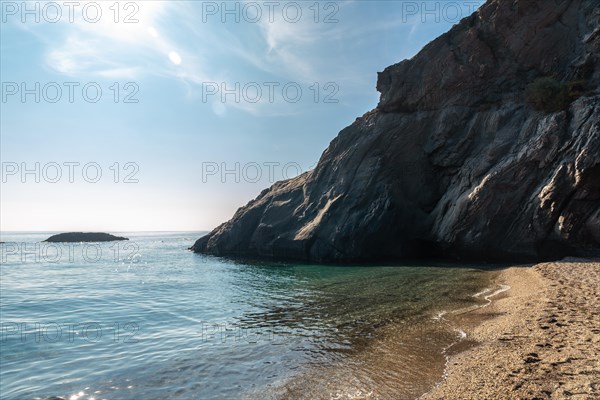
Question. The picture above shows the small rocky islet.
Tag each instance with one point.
(77, 237)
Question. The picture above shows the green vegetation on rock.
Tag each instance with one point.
(549, 94)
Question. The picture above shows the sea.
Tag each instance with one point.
(148, 319)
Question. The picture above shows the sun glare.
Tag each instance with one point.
(175, 58)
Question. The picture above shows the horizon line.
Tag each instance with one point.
(105, 231)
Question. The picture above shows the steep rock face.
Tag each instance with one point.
(452, 162)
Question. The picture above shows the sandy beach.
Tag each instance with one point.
(538, 340)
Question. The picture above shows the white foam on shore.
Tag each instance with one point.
(487, 294)
(488, 298)
(484, 291)
(461, 335)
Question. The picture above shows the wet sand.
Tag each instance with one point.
(538, 340)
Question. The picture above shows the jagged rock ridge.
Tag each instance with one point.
(453, 161)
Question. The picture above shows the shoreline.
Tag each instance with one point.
(538, 339)
(403, 359)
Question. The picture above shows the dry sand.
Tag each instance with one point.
(543, 342)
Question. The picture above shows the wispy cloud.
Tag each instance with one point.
(115, 49)
(172, 40)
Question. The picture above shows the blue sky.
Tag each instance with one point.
(176, 134)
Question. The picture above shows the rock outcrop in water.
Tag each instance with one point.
(453, 161)
(76, 237)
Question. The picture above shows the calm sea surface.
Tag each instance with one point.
(147, 319)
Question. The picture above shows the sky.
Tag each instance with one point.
(169, 115)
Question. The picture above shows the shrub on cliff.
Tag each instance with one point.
(548, 94)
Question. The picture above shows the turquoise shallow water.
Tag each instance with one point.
(147, 319)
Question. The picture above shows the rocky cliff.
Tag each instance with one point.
(454, 161)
